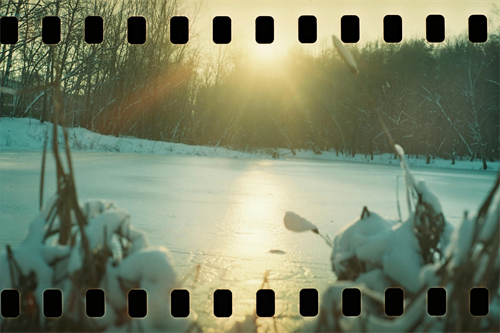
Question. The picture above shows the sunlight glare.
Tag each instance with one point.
(267, 53)
(258, 218)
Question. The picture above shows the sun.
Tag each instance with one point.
(267, 53)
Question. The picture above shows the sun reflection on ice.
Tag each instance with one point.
(256, 221)
(251, 242)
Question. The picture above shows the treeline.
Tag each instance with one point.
(437, 100)
(113, 88)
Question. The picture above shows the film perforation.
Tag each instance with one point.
(435, 28)
(221, 28)
(349, 29)
(393, 29)
(394, 300)
(479, 302)
(95, 303)
(436, 301)
(308, 29)
(265, 302)
(264, 29)
(52, 303)
(180, 303)
(478, 28)
(94, 30)
(136, 30)
(10, 303)
(137, 303)
(351, 302)
(223, 303)
(309, 302)
(51, 30)
(9, 30)
(179, 30)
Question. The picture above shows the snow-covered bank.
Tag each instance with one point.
(28, 134)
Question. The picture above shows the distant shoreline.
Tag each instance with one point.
(28, 134)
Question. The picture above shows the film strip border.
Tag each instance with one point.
(221, 29)
(137, 303)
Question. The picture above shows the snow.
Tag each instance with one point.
(404, 323)
(428, 196)
(402, 261)
(353, 240)
(28, 134)
(148, 268)
(374, 243)
(374, 279)
(30, 257)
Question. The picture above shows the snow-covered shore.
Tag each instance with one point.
(28, 134)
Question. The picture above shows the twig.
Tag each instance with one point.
(42, 177)
(397, 197)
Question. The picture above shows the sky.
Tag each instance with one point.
(328, 14)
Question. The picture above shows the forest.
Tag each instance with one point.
(437, 100)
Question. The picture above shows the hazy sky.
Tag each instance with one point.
(328, 14)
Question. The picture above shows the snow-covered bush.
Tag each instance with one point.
(106, 253)
(372, 246)
(373, 254)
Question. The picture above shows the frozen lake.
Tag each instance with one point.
(227, 214)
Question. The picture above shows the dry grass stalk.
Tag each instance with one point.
(345, 55)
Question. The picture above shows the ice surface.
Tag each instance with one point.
(226, 214)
